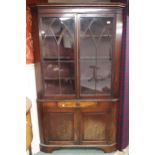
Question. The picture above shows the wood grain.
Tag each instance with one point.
(75, 121)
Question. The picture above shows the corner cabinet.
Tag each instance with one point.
(77, 63)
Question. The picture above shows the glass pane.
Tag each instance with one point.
(103, 77)
(87, 77)
(52, 87)
(67, 70)
(57, 39)
(87, 48)
(96, 55)
(51, 70)
(67, 86)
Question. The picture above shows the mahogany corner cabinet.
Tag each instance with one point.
(77, 50)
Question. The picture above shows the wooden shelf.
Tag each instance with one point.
(82, 36)
(50, 36)
(57, 78)
(59, 59)
(98, 58)
(96, 36)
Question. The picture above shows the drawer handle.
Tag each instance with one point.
(67, 105)
(76, 104)
(85, 104)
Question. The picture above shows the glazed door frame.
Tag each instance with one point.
(116, 53)
(60, 15)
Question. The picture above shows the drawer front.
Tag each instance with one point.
(85, 105)
(81, 104)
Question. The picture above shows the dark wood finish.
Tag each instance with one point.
(50, 148)
(73, 119)
(37, 53)
(87, 126)
(28, 2)
(117, 55)
(103, 131)
(79, 4)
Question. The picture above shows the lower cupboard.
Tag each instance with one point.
(77, 124)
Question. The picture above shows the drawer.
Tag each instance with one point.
(84, 106)
(74, 104)
(99, 107)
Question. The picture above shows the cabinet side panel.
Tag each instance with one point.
(37, 54)
(117, 55)
(40, 120)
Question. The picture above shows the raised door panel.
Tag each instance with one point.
(98, 124)
(59, 124)
(94, 127)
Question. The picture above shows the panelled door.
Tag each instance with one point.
(96, 56)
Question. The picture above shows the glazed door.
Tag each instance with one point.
(79, 56)
(57, 39)
(96, 33)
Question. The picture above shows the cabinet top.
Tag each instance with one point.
(77, 4)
